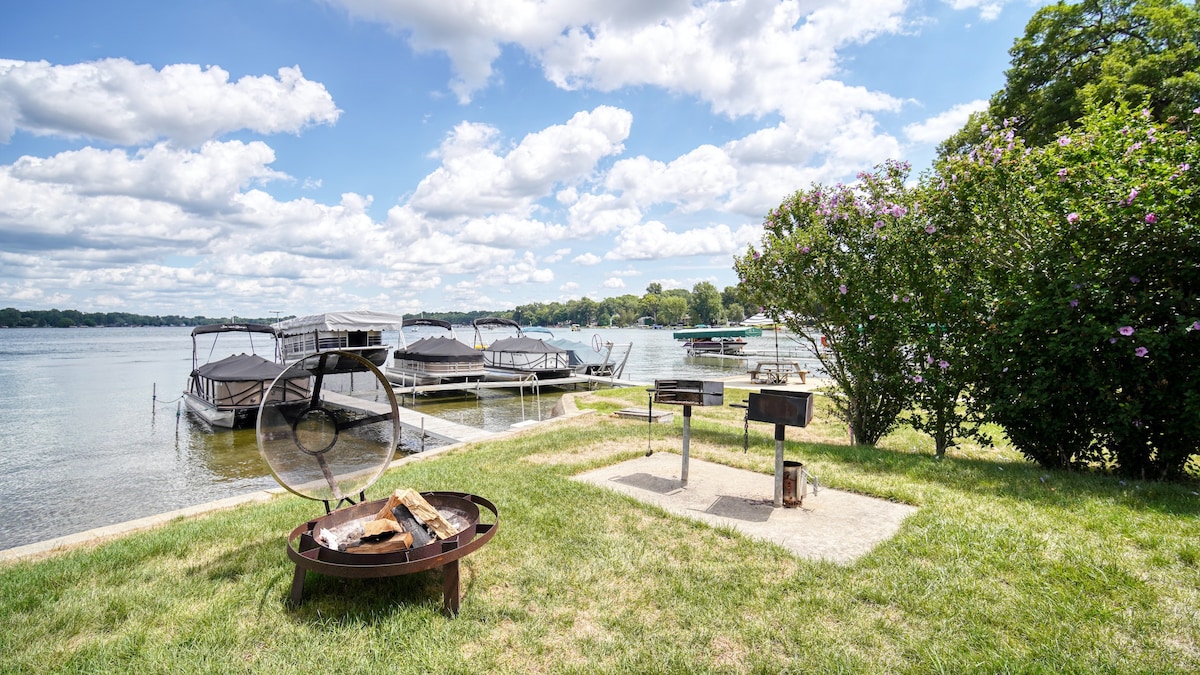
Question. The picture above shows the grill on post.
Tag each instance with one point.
(686, 393)
(783, 409)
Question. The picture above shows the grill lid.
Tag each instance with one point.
(330, 445)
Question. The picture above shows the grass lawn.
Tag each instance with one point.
(1004, 568)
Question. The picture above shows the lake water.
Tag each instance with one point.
(92, 433)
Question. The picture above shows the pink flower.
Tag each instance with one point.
(1064, 140)
(918, 379)
(1151, 218)
(842, 289)
(930, 229)
(1135, 279)
(879, 224)
(1125, 330)
(1074, 303)
(1129, 200)
(1141, 352)
(943, 364)
(1196, 325)
(1062, 174)
(1072, 217)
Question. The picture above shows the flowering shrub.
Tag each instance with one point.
(829, 260)
(1087, 256)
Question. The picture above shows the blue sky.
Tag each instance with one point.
(224, 157)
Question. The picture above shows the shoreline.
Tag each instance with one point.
(105, 533)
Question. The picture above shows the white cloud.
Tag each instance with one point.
(587, 259)
(744, 57)
(694, 181)
(205, 181)
(475, 180)
(593, 214)
(558, 255)
(989, 10)
(523, 271)
(614, 282)
(941, 126)
(122, 102)
(652, 240)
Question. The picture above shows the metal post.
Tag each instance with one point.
(687, 434)
(779, 433)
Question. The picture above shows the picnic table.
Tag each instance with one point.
(776, 372)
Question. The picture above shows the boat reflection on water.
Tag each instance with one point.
(226, 457)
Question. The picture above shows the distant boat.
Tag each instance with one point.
(227, 393)
(435, 359)
(723, 341)
(359, 331)
(521, 356)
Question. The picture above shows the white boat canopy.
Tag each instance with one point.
(357, 320)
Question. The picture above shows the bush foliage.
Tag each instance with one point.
(1053, 290)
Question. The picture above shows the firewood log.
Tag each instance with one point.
(425, 513)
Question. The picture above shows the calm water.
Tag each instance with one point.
(85, 443)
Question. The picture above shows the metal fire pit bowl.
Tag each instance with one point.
(382, 559)
(330, 448)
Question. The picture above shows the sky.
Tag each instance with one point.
(253, 157)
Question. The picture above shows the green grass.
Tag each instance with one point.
(1004, 568)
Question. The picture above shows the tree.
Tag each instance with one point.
(826, 260)
(654, 289)
(672, 309)
(1141, 52)
(705, 303)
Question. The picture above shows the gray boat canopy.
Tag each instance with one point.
(240, 368)
(525, 345)
(233, 328)
(439, 349)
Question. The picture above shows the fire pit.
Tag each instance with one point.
(332, 450)
(383, 559)
(686, 393)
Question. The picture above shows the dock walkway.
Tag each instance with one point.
(443, 430)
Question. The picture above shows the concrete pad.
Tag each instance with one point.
(831, 525)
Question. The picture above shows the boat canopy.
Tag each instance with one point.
(233, 328)
(525, 345)
(714, 333)
(357, 320)
(438, 349)
(581, 354)
(240, 368)
(420, 321)
(495, 321)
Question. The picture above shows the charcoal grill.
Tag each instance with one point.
(686, 393)
(784, 408)
(332, 450)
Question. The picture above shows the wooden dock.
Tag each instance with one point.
(411, 420)
(533, 385)
(452, 432)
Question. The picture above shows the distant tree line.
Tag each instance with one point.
(70, 318)
(704, 304)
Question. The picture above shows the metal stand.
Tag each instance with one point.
(779, 433)
(687, 437)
